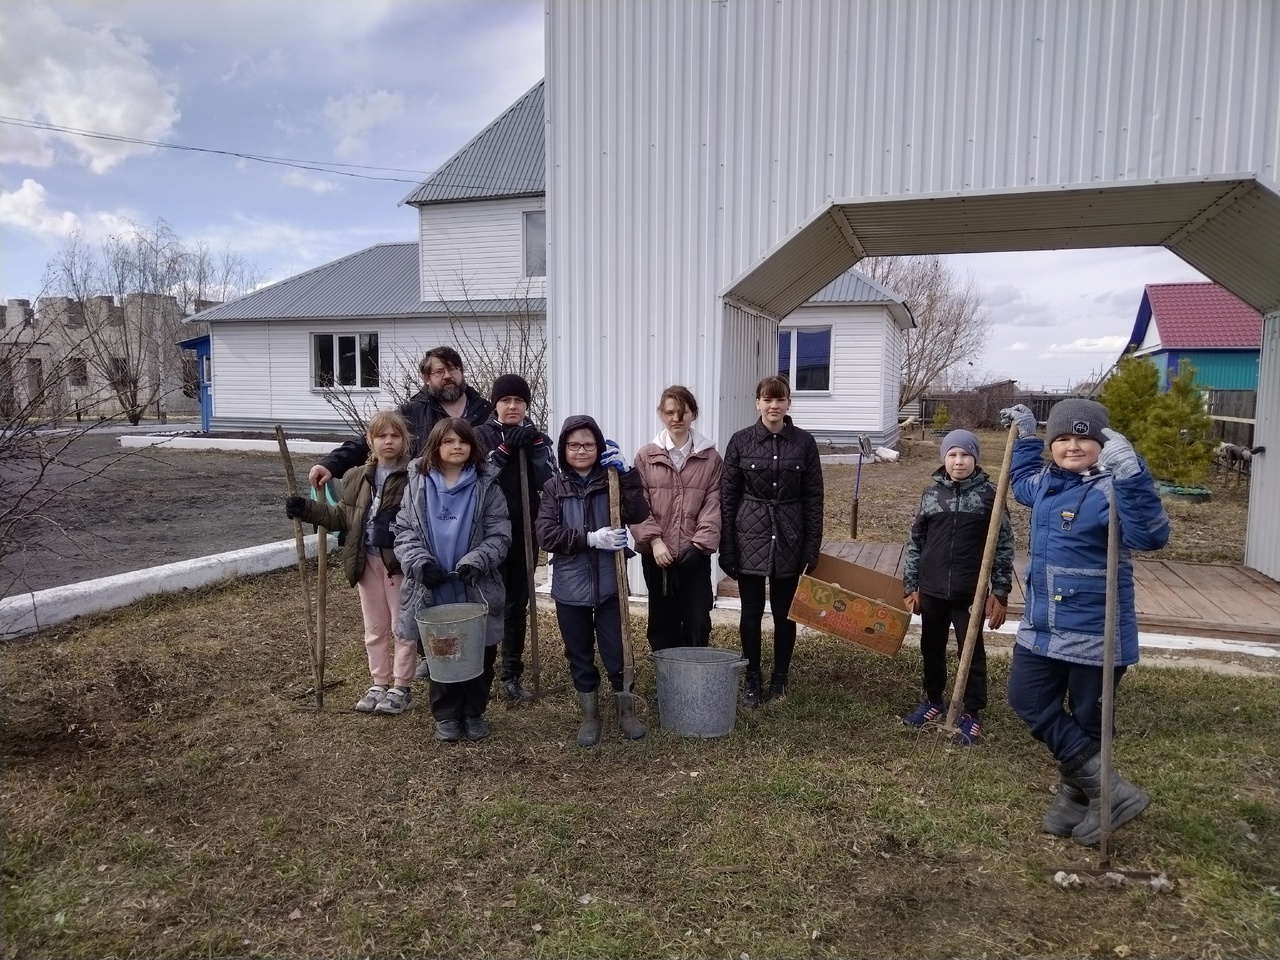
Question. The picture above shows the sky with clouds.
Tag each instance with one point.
(396, 84)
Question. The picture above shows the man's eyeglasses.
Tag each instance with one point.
(581, 447)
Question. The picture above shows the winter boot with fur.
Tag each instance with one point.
(589, 731)
(1127, 801)
(751, 692)
(1067, 810)
(628, 725)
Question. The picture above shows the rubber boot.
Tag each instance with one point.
(1067, 810)
(777, 688)
(589, 730)
(751, 693)
(628, 725)
(1127, 801)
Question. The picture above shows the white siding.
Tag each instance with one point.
(1262, 544)
(475, 250)
(891, 382)
(855, 403)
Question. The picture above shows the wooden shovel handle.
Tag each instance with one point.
(530, 562)
(291, 484)
(624, 589)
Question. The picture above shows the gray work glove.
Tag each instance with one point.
(611, 539)
(1118, 457)
(1022, 416)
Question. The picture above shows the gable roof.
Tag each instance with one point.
(854, 286)
(505, 159)
(1196, 316)
(379, 282)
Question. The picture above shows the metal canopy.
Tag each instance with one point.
(1228, 228)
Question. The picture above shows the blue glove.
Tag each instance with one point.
(1118, 457)
(612, 458)
(611, 539)
(1022, 416)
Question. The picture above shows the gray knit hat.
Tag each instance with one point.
(1079, 418)
(963, 439)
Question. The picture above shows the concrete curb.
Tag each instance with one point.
(212, 443)
(28, 613)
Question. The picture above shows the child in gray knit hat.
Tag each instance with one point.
(1055, 684)
(943, 562)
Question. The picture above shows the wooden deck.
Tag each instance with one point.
(1197, 599)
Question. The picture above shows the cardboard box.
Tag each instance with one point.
(854, 603)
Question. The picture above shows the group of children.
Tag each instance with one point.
(439, 529)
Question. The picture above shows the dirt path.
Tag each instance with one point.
(133, 509)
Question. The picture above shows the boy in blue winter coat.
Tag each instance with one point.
(943, 561)
(573, 525)
(1058, 652)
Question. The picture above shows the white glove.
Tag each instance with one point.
(1022, 416)
(1118, 457)
(611, 539)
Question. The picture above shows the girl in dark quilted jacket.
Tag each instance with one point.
(573, 526)
(370, 501)
(771, 527)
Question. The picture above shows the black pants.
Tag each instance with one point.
(781, 592)
(515, 613)
(468, 698)
(1038, 687)
(937, 618)
(679, 603)
(582, 629)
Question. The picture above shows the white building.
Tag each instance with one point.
(712, 166)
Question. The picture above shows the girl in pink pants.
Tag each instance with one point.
(370, 501)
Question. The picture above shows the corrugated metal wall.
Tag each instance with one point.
(1262, 545)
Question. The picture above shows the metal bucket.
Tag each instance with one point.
(697, 690)
(453, 640)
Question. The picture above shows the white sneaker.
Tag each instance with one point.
(396, 702)
(372, 697)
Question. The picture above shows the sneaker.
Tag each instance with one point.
(515, 691)
(448, 731)
(396, 702)
(477, 728)
(372, 697)
(424, 670)
(968, 729)
(926, 713)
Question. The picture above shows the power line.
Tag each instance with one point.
(316, 166)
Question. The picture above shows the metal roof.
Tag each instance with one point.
(1201, 316)
(1226, 227)
(854, 286)
(505, 159)
(381, 281)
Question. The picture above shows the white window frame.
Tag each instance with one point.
(313, 355)
(524, 244)
(785, 331)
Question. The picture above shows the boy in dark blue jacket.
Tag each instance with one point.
(1055, 684)
(943, 563)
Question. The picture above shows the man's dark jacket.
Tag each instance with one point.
(422, 412)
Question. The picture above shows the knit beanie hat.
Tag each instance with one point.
(963, 439)
(510, 385)
(1079, 418)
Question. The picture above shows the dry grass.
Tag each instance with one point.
(166, 795)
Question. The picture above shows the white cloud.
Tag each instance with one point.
(59, 73)
(248, 70)
(27, 209)
(1020, 346)
(351, 118)
(308, 181)
(1086, 345)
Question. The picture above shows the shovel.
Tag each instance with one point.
(530, 562)
(864, 451)
(315, 651)
(624, 590)
(1104, 873)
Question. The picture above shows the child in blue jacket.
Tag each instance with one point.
(1055, 684)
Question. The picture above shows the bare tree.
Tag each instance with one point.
(951, 321)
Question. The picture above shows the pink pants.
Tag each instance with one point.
(380, 605)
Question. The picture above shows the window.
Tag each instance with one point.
(118, 373)
(79, 372)
(804, 358)
(344, 360)
(535, 244)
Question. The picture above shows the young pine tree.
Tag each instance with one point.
(1177, 441)
(1130, 394)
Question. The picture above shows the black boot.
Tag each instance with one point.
(751, 692)
(777, 688)
(1127, 801)
(1067, 810)
(589, 730)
